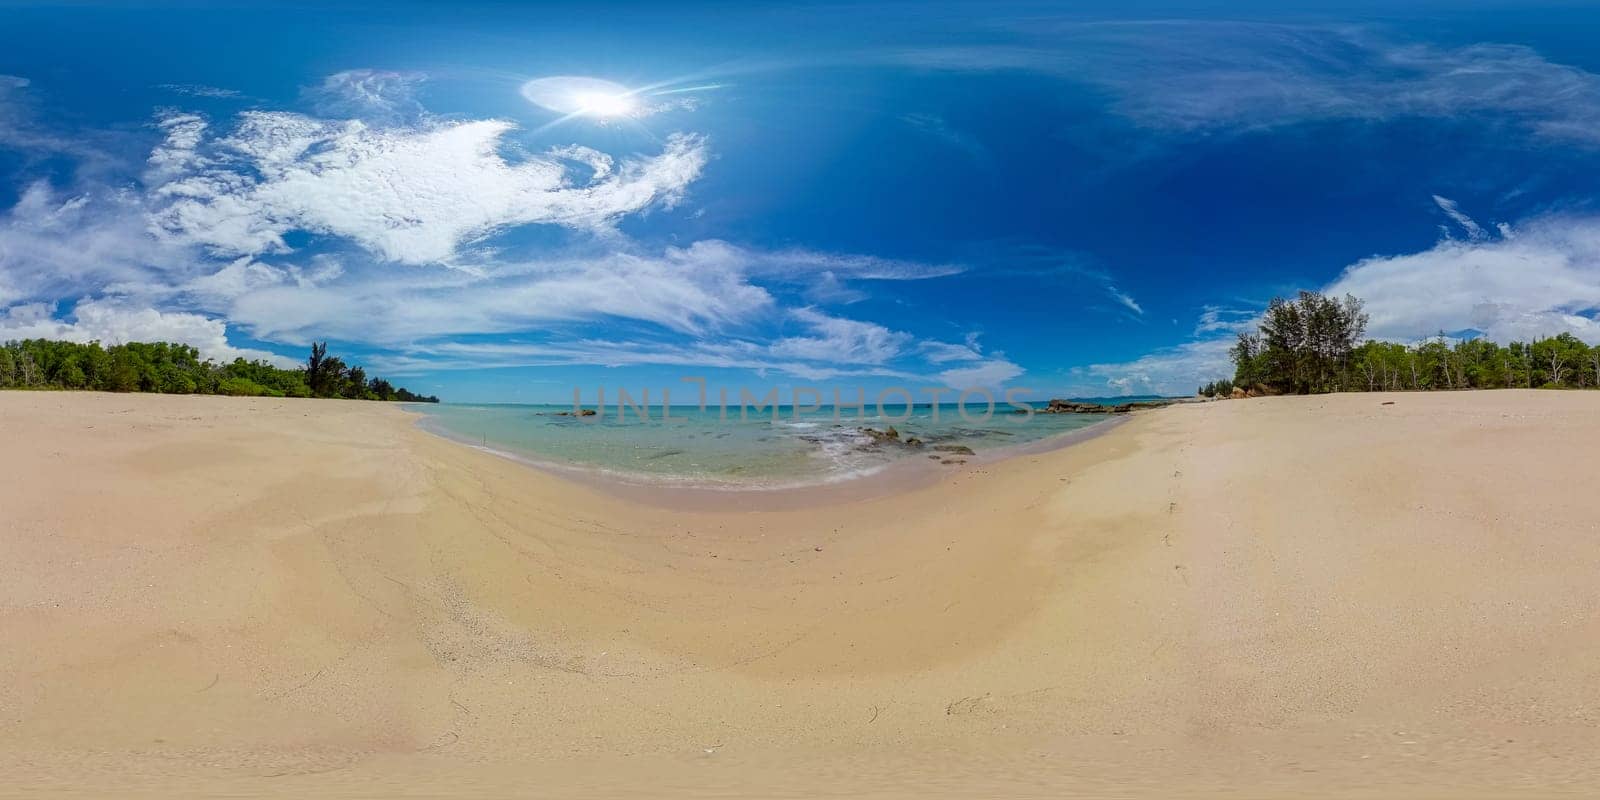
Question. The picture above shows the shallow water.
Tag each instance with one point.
(796, 447)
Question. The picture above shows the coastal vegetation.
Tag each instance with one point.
(170, 368)
(1309, 345)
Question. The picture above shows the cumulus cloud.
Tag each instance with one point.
(1542, 282)
(388, 212)
(111, 322)
(408, 195)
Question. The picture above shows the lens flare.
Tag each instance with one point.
(574, 95)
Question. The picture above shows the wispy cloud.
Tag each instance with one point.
(372, 95)
(1198, 75)
(23, 130)
(1473, 230)
(1221, 319)
(1173, 371)
(1125, 300)
(1044, 263)
(938, 128)
(201, 90)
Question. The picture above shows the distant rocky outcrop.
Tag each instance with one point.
(582, 412)
(1057, 406)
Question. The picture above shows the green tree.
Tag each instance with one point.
(1305, 345)
(1558, 358)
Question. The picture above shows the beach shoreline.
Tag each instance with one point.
(905, 473)
(1339, 595)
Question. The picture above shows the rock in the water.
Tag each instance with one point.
(881, 437)
(958, 449)
(1059, 406)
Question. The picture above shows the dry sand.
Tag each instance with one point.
(1279, 597)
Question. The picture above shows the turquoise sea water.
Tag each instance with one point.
(702, 448)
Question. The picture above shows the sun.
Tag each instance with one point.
(604, 105)
(577, 96)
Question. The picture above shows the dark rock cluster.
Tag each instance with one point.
(1069, 407)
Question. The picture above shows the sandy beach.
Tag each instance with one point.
(1363, 595)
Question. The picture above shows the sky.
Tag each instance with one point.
(502, 202)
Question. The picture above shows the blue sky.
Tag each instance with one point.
(1078, 200)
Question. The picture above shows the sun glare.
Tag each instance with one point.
(573, 95)
(600, 104)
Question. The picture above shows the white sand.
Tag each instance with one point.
(1306, 596)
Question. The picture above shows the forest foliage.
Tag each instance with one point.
(178, 369)
(1314, 344)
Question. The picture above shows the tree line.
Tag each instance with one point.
(178, 369)
(1310, 344)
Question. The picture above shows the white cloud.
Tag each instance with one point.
(110, 322)
(801, 264)
(1199, 75)
(1473, 229)
(1174, 371)
(177, 152)
(678, 290)
(201, 90)
(944, 352)
(19, 127)
(1543, 282)
(410, 195)
(720, 355)
(62, 244)
(833, 347)
(373, 95)
(1125, 300)
(991, 373)
(1218, 319)
(835, 339)
(200, 246)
